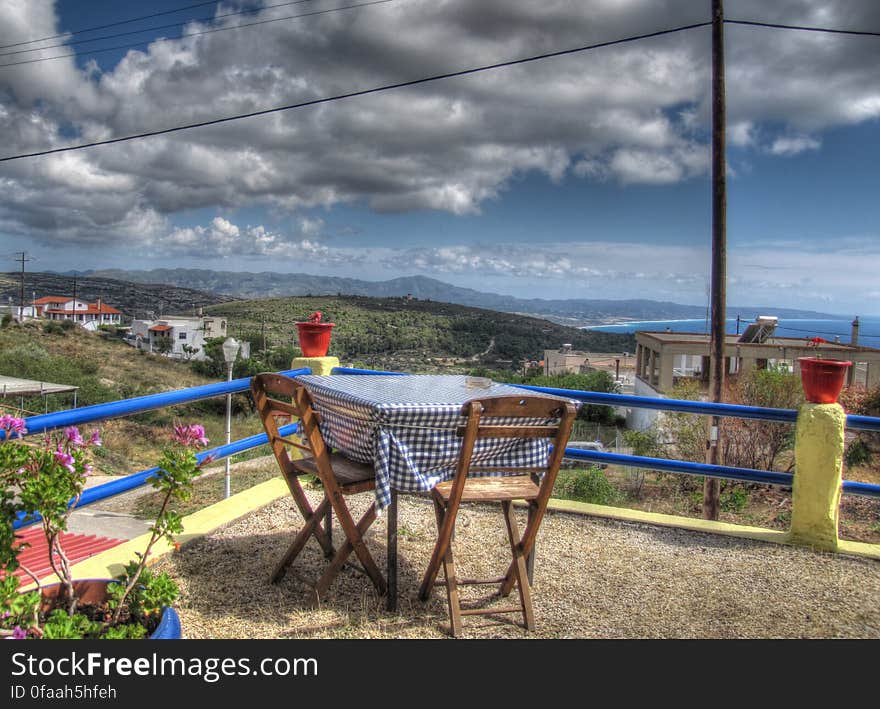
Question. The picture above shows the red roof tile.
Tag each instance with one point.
(77, 547)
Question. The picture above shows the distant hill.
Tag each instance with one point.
(412, 334)
(573, 312)
(133, 299)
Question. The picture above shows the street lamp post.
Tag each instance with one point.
(230, 352)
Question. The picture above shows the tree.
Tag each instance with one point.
(750, 443)
(746, 443)
(189, 351)
(162, 345)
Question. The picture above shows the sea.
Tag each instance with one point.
(869, 328)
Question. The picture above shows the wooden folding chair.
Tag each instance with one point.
(338, 475)
(534, 485)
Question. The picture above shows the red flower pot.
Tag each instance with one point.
(314, 338)
(822, 378)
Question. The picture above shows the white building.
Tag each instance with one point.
(86, 314)
(170, 335)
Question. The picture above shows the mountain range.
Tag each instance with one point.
(231, 285)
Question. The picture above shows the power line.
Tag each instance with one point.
(362, 92)
(194, 34)
(112, 24)
(250, 11)
(777, 26)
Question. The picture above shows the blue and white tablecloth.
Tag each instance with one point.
(405, 426)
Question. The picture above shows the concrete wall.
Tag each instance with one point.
(641, 419)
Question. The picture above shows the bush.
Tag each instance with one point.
(857, 453)
(586, 485)
(734, 499)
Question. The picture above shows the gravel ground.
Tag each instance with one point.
(594, 578)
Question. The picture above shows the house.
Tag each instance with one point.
(89, 315)
(170, 335)
(664, 357)
(564, 360)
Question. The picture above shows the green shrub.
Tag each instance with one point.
(734, 499)
(857, 453)
(586, 485)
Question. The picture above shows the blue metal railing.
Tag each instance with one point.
(135, 480)
(139, 404)
(850, 487)
(125, 407)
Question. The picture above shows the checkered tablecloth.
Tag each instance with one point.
(405, 426)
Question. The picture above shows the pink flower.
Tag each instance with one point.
(72, 434)
(95, 440)
(192, 435)
(18, 633)
(65, 459)
(13, 424)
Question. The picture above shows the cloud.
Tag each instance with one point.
(634, 114)
(792, 145)
(221, 239)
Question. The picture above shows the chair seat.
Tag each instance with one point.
(494, 489)
(348, 472)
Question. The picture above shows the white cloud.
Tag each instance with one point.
(793, 144)
(636, 113)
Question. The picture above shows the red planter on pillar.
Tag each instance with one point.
(314, 336)
(822, 378)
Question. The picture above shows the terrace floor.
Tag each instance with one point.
(594, 578)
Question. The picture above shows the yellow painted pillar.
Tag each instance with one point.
(318, 365)
(818, 475)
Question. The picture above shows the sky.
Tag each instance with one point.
(585, 175)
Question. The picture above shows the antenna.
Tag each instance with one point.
(23, 257)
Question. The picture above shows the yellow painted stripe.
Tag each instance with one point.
(762, 534)
(111, 562)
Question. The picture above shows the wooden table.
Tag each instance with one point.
(405, 426)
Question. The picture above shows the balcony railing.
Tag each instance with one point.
(127, 407)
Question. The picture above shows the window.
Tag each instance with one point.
(182, 336)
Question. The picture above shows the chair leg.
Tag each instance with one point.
(328, 530)
(358, 546)
(510, 578)
(519, 566)
(439, 551)
(305, 508)
(452, 595)
(312, 525)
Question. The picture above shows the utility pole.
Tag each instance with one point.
(711, 488)
(22, 256)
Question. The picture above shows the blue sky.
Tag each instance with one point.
(580, 176)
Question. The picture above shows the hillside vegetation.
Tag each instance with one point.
(391, 331)
(135, 300)
(106, 369)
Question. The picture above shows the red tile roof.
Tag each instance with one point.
(160, 328)
(77, 547)
(52, 299)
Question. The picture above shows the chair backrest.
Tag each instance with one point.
(294, 402)
(515, 417)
